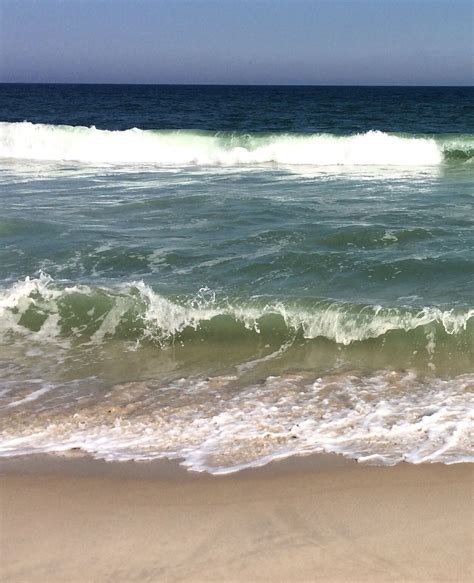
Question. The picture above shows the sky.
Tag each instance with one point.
(302, 42)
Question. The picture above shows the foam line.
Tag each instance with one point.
(25, 140)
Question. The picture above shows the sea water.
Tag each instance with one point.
(231, 275)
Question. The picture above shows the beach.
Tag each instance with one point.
(236, 333)
(317, 518)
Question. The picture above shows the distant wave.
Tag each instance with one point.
(26, 140)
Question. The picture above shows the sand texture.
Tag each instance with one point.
(308, 521)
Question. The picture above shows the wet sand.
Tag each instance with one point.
(319, 518)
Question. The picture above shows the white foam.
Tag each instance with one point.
(33, 396)
(27, 141)
(385, 417)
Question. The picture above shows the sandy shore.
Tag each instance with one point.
(314, 519)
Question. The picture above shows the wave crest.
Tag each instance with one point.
(25, 140)
(39, 308)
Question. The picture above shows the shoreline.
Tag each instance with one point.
(80, 464)
(313, 518)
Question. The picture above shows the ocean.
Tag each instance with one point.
(232, 275)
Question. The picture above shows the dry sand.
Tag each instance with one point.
(314, 519)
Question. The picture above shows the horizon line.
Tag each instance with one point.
(231, 84)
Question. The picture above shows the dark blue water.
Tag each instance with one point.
(244, 109)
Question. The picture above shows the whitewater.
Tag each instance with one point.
(170, 148)
(42, 304)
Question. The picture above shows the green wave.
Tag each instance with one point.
(41, 308)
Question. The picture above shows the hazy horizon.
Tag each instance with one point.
(237, 42)
(434, 86)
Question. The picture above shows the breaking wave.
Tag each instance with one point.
(224, 423)
(43, 309)
(25, 140)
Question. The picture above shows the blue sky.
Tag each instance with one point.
(368, 42)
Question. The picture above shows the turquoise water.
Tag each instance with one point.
(230, 294)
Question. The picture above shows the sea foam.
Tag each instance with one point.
(385, 417)
(134, 146)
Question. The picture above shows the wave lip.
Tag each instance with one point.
(28, 141)
(40, 309)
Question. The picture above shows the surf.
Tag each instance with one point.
(28, 141)
(40, 308)
(220, 426)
